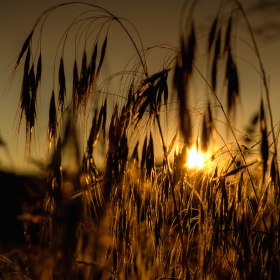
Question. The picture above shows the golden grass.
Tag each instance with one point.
(139, 217)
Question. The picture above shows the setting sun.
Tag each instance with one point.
(195, 158)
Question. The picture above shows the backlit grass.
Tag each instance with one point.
(157, 207)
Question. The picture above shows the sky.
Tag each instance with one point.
(157, 22)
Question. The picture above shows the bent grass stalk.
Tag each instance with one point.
(144, 215)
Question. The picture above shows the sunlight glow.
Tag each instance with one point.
(195, 158)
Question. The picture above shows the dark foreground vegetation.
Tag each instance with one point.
(142, 214)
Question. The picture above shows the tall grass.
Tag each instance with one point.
(144, 214)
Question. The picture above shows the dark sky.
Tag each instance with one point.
(157, 22)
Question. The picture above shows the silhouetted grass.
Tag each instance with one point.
(144, 214)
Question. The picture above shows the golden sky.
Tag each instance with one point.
(157, 22)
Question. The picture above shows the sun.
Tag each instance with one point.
(195, 158)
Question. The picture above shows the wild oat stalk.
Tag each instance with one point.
(145, 214)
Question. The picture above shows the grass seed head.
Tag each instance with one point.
(62, 86)
(52, 126)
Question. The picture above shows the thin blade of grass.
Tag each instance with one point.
(228, 34)
(25, 93)
(24, 48)
(102, 55)
(62, 86)
(39, 70)
(189, 52)
(215, 61)
(32, 108)
(83, 82)
(233, 83)
(93, 65)
(264, 144)
(150, 157)
(239, 188)
(22, 52)
(212, 33)
(75, 89)
(236, 170)
(204, 135)
(172, 143)
(93, 134)
(274, 174)
(261, 208)
(144, 155)
(134, 155)
(104, 118)
(52, 126)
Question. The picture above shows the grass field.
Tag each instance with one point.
(131, 202)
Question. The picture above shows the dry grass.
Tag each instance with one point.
(144, 215)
